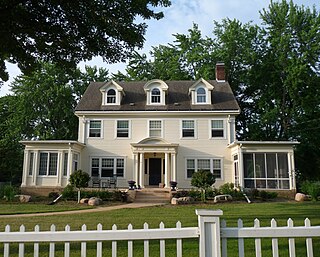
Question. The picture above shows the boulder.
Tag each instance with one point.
(300, 197)
(25, 198)
(174, 201)
(84, 200)
(182, 200)
(222, 198)
(94, 201)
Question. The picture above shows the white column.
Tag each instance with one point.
(141, 170)
(173, 167)
(35, 168)
(240, 166)
(59, 167)
(135, 167)
(69, 167)
(25, 168)
(166, 170)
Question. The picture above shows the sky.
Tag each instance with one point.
(178, 18)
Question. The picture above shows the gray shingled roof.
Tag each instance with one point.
(177, 98)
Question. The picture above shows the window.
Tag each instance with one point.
(31, 160)
(266, 170)
(75, 162)
(111, 96)
(155, 95)
(106, 167)
(188, 128)
(95, 128)
(48, 164)
(155, 128)
(208, 164)
(201, 95)
(65, 164)
(217, 129)
(123, 128)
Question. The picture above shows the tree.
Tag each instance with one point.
(203, 179)
(79, 179)
(67, 32)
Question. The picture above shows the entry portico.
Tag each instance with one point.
(154, 162)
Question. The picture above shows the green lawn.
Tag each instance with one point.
(281, 211)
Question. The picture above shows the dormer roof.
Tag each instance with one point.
(201, 82)
(112, 84)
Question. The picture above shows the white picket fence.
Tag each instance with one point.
(213, 237)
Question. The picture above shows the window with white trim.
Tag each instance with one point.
(217, 129)
(75, 162)
(201, 95)
(266, 170)
(65, 163)
(155, 128)
(31, 160)
(106, 167)
(214, 165)
(95, 128)
(123, 128)
(188, 129)
(48, 165)
(111, 96)
(155, 95)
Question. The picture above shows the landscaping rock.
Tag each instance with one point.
(182, 200)
(84, 200)
(94, 201)
(300, 197)
(222, 198)
(25, 198)
(174, 201)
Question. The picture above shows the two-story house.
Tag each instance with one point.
(154, 132)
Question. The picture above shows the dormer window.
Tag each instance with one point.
(201, 95)
(111, 96)
(155, 95)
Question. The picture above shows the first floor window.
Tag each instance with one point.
(266, 170)
(65, 164)
(107, 167)
(123, 128)
(75, 162)
(48, 164)
(31, 160)
(217, 129)
(95, 128)
(188, 128)
(212, 165)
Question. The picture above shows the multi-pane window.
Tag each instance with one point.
(31, 160)
(217, 128)
(75, 162)
(155, 128)
(208, 164)
(188, 128)
(65, 164)
(122, 128)
(201, 95)
(95, 128)
(106, 167)
(266, 170)
(111, 96)
(155, 95)
(48, 165)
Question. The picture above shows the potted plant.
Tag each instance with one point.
(131, 184)
(173, 185)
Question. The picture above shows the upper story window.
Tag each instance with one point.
(111, 96)
(201, 95)
(95, 128)
(155, 95)
(217, 129)
(123, 128)
(188, 129)
(155, 128)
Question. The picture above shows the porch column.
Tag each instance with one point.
(173, 167)
(166, 170)
(135, 167)
(60, 167)
(36, 167)
(69, 167)
(241, 171)
(25, 167)
(141, 170)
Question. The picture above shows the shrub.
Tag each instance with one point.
(203, 180)
(8, 192)
(53, 195)
(69, 193)
(311, 188)
(264, 195)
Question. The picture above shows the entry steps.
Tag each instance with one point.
(152, 195)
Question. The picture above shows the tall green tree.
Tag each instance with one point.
(67, 32)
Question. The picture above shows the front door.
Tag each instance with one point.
(154, 171)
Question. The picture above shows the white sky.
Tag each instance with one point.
(179, 17)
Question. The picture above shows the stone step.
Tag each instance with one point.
(155, 196)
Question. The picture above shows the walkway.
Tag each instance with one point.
(98, 209)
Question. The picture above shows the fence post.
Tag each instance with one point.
(209, 229)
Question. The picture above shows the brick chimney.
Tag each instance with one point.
(220, 72)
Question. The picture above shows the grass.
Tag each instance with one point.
(281, 211)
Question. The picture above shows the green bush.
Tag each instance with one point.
(69, 193)
(230, 189)
(8, 192)
(264, 195)
(311, 188)
(53, 195)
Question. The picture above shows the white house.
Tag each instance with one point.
(154, 132)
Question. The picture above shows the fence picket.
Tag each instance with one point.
(6, 247)
(257, 241)
(83, 244)
(99, 243)
(67, 244)
(292, 250)
(36, 245)
(130, 244)
(162, 243)
(179, 241)
(146, 242)
(309, 246)
(224, 244)
(275, 247)
(114, 243)
(21, 245)
(240, 240)
(51, 245)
